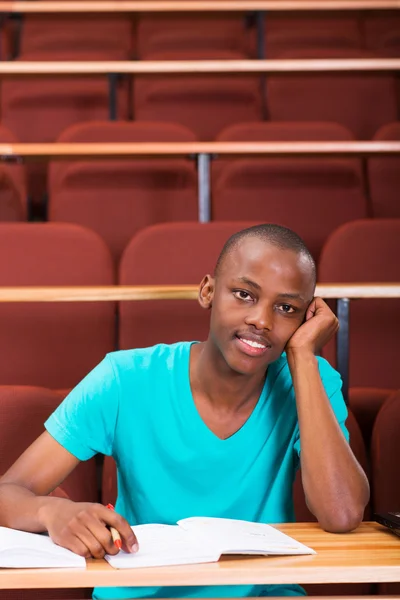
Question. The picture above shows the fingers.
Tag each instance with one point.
(113, 519)
(87, 531)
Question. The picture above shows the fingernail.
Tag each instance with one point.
(135, 547)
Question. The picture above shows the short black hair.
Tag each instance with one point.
(277, 235)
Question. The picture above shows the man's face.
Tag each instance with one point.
(259, 299)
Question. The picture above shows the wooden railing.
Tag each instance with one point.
(196, 6)
(101, 150)
(197, 67)
(172, 292)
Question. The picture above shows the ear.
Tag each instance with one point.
(206, 292)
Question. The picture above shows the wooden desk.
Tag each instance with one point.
(370, 554)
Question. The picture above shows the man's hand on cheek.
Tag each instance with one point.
(319, 326)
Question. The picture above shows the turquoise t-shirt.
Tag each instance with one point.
(137, 406)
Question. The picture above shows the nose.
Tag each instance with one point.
(260, 317)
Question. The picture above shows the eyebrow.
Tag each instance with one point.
(250, 283)
(292, 296)
(286, 295)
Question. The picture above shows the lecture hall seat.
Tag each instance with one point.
(38, 109)
(199, 32)
(117, 198)
(23, 411)
(206, 104)
(289, 190)
(77, 34)
(53, 344)
(360, 252)
(289, 32)
(384, 176)
(382, 32)
(170, 253)
(362, 102)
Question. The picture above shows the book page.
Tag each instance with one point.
(161, 545)
(19, 549)
(231, 536)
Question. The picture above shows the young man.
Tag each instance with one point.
(209, 429)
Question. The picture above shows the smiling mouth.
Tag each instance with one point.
(252, 347)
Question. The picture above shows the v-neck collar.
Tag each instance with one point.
(195, 418)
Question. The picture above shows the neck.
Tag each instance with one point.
(212, 377)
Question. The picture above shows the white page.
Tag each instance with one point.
(161, 545)
(19, 549)
(231, 536)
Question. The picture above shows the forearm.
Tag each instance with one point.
(335, 485)
(22, 509)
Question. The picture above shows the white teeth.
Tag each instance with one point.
(252, 343)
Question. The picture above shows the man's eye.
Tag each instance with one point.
(242, 295)
(286, 308)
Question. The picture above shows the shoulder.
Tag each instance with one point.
(148, 360)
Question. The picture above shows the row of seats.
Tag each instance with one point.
(141, 35)
(117, 198)
(23, 411)
(56, 344)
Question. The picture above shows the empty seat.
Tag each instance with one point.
(13, 191)
(362, 102)
(76, 34)
(365, 404)
(116, 198)
(289, 190)
(23, 411)
(206, 104)
(53, 344)
(360, 252)
(382, 31)
(200, 33)
(173, 253)
(287, 32)
(38, 109)
(384, 176)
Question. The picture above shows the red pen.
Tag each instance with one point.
(114, 533)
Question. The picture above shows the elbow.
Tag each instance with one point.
(344, 520)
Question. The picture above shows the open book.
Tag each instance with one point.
(204, 539)
(19, 549)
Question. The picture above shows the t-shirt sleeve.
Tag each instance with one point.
(332, 383)
(85, 421)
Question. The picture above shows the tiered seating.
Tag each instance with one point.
(118, 198)
(56, 344)
(39, 109)
(53, 344)
(288, 191)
